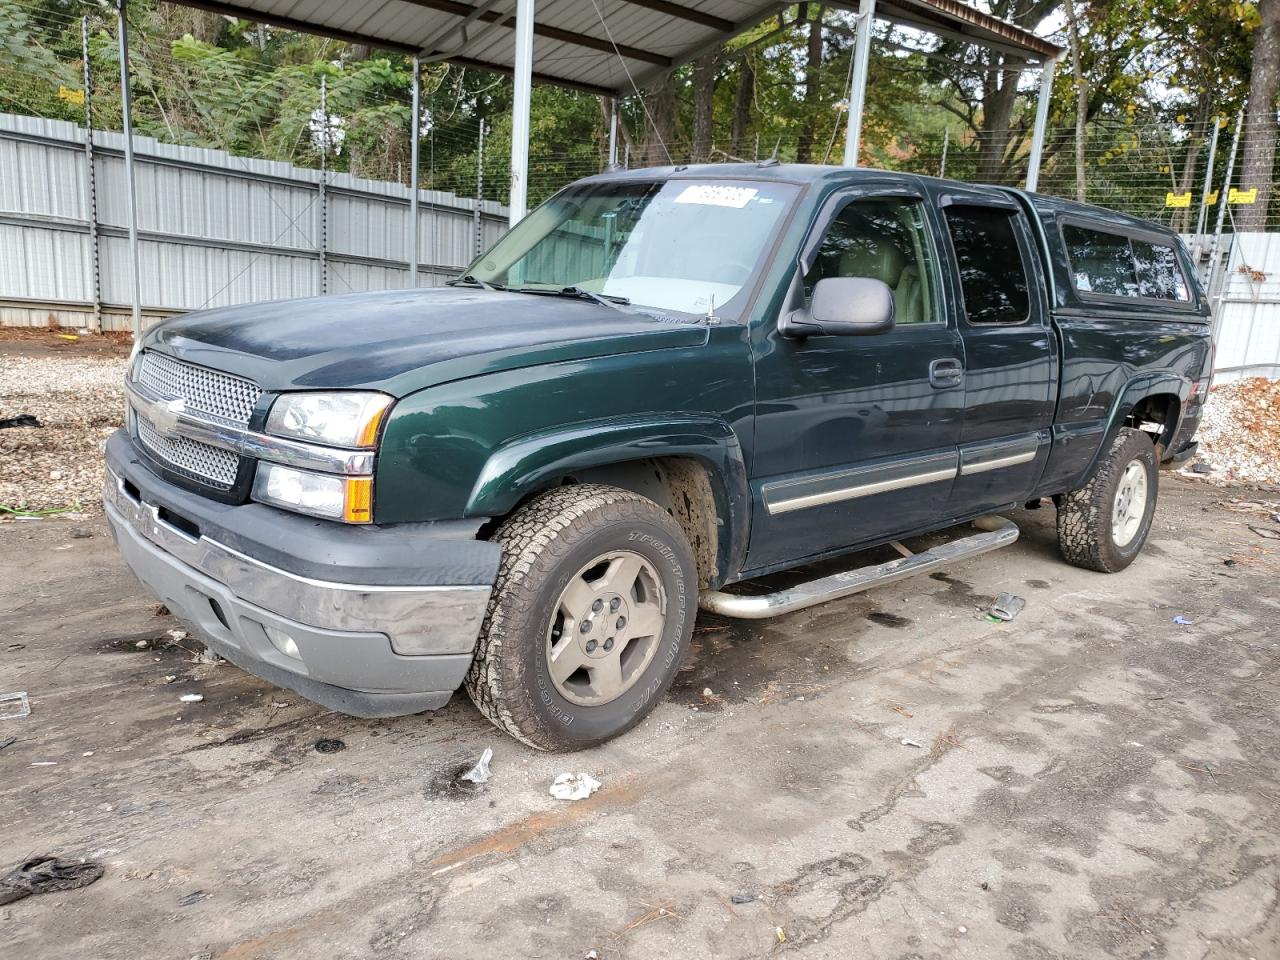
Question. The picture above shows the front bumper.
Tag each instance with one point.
(346, 633)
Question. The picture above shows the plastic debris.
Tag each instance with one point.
(21, 420)
(191, 697)
(47, 875)
(741, 898)
(1007, 606)
(574, 786)
(480, 772)
(1182, 621)
(194, 896)
(22, 709)
(592, 955)
(908, 742)
(8, 742)
(332, 745)
(780, 934)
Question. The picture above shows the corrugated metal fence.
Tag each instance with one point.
(214, 229)
(1247, 309)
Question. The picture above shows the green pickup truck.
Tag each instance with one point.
(661, 383)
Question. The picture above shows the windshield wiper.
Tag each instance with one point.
(617, 303)
(474, 281)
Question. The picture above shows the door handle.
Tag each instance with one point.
(945, 372)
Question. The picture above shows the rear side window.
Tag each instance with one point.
(993, 277)
(1100, 262)
(1113, 264)
(1159, 275)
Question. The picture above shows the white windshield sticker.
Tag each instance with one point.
(717, 195)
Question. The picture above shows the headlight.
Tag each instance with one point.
(347, 419)
(349, 499)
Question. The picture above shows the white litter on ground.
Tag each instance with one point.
(480, 772)
(574, 786)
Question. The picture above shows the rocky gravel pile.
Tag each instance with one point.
(1240, 433)
(78, 401)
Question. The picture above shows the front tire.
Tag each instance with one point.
(589, 619)
(1103, 525)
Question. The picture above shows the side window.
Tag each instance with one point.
(1100, 262)
(884, 239)
(1159, 275)
(993, 277)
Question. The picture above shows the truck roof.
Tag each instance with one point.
(805, 173)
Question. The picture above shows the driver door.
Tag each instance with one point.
(857, 436)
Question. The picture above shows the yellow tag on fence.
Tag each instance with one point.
(1172, 199)
(1242, 196)
(69, 95)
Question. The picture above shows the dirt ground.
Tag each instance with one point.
(883, 777)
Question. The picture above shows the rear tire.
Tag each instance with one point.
(589, 619)
(1103, 525)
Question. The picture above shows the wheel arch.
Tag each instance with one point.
(1153, 397)
(691, 466)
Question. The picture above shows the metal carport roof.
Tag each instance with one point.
(599, 46)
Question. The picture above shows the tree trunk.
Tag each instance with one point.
(743, 95)
(1082, 95)
(1260, 125)
(704, 88)
(1181, 221)
(997, 112)
(660, 123)
(812, 87)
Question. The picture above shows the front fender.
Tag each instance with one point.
(528, 464)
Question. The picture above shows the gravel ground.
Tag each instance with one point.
(1240, 434)
(79, 401)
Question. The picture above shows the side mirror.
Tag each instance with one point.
(843, 307)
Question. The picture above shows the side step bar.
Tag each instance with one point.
(996, 532)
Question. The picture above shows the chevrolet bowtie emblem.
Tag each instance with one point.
(164, 416)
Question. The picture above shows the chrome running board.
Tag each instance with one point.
(996, 532)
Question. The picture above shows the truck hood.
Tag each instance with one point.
(400, 341)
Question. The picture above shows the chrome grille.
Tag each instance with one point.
(208, 392)
(211, 466)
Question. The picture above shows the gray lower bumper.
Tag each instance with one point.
(343, 632)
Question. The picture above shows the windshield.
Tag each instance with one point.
(683, 245)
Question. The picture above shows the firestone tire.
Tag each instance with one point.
(1103, 526)
(557, 550)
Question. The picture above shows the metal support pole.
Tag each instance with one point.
(479, 223)
(323, 246)
(613, 133)
(1042, 121)
(414, 258)
(1203, 217)
(858, 84)
(1216, 246)
(126, 109)
(91, 182)
(523, 79)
